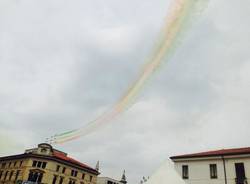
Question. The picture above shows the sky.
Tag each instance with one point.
(64, 63)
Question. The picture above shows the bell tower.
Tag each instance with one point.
(124, 179)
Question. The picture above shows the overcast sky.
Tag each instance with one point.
(63, 63)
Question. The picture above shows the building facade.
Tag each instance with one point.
(227, 166)
(47, 165)
(108, 180)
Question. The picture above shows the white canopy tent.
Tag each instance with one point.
(166, 174)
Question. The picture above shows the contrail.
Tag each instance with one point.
(181, 13)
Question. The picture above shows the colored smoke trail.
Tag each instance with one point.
(180, 14)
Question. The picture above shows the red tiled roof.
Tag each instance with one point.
(64, 157)
(58, 156)
(222, 152)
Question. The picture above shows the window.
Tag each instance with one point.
(90, 178)
(9, 164)
(11, 174)
(1, 173)
(83, 176)
(17, 174)
(57, 168)
(5, 176)
(54, 179)
(35, 177)
(31, 176)
(44, 165)
(74, 173)
(39, 164)
(21, 163)
(14, 164)
(185, 171)
(213, 171)
(64, 169)
(240, 173)
(3, 165)
(61, 180)
(34, 163)
(40, 177)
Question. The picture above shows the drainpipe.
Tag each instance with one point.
(225, 171)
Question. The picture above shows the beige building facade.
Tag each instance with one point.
(47, 165)
(227, 166)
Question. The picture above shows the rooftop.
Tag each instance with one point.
(221, 152)
(46, 151)
(66, 158)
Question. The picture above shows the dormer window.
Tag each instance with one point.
(44, 148)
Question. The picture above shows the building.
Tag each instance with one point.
(226, 166)
(107, 180)
(45, 164)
